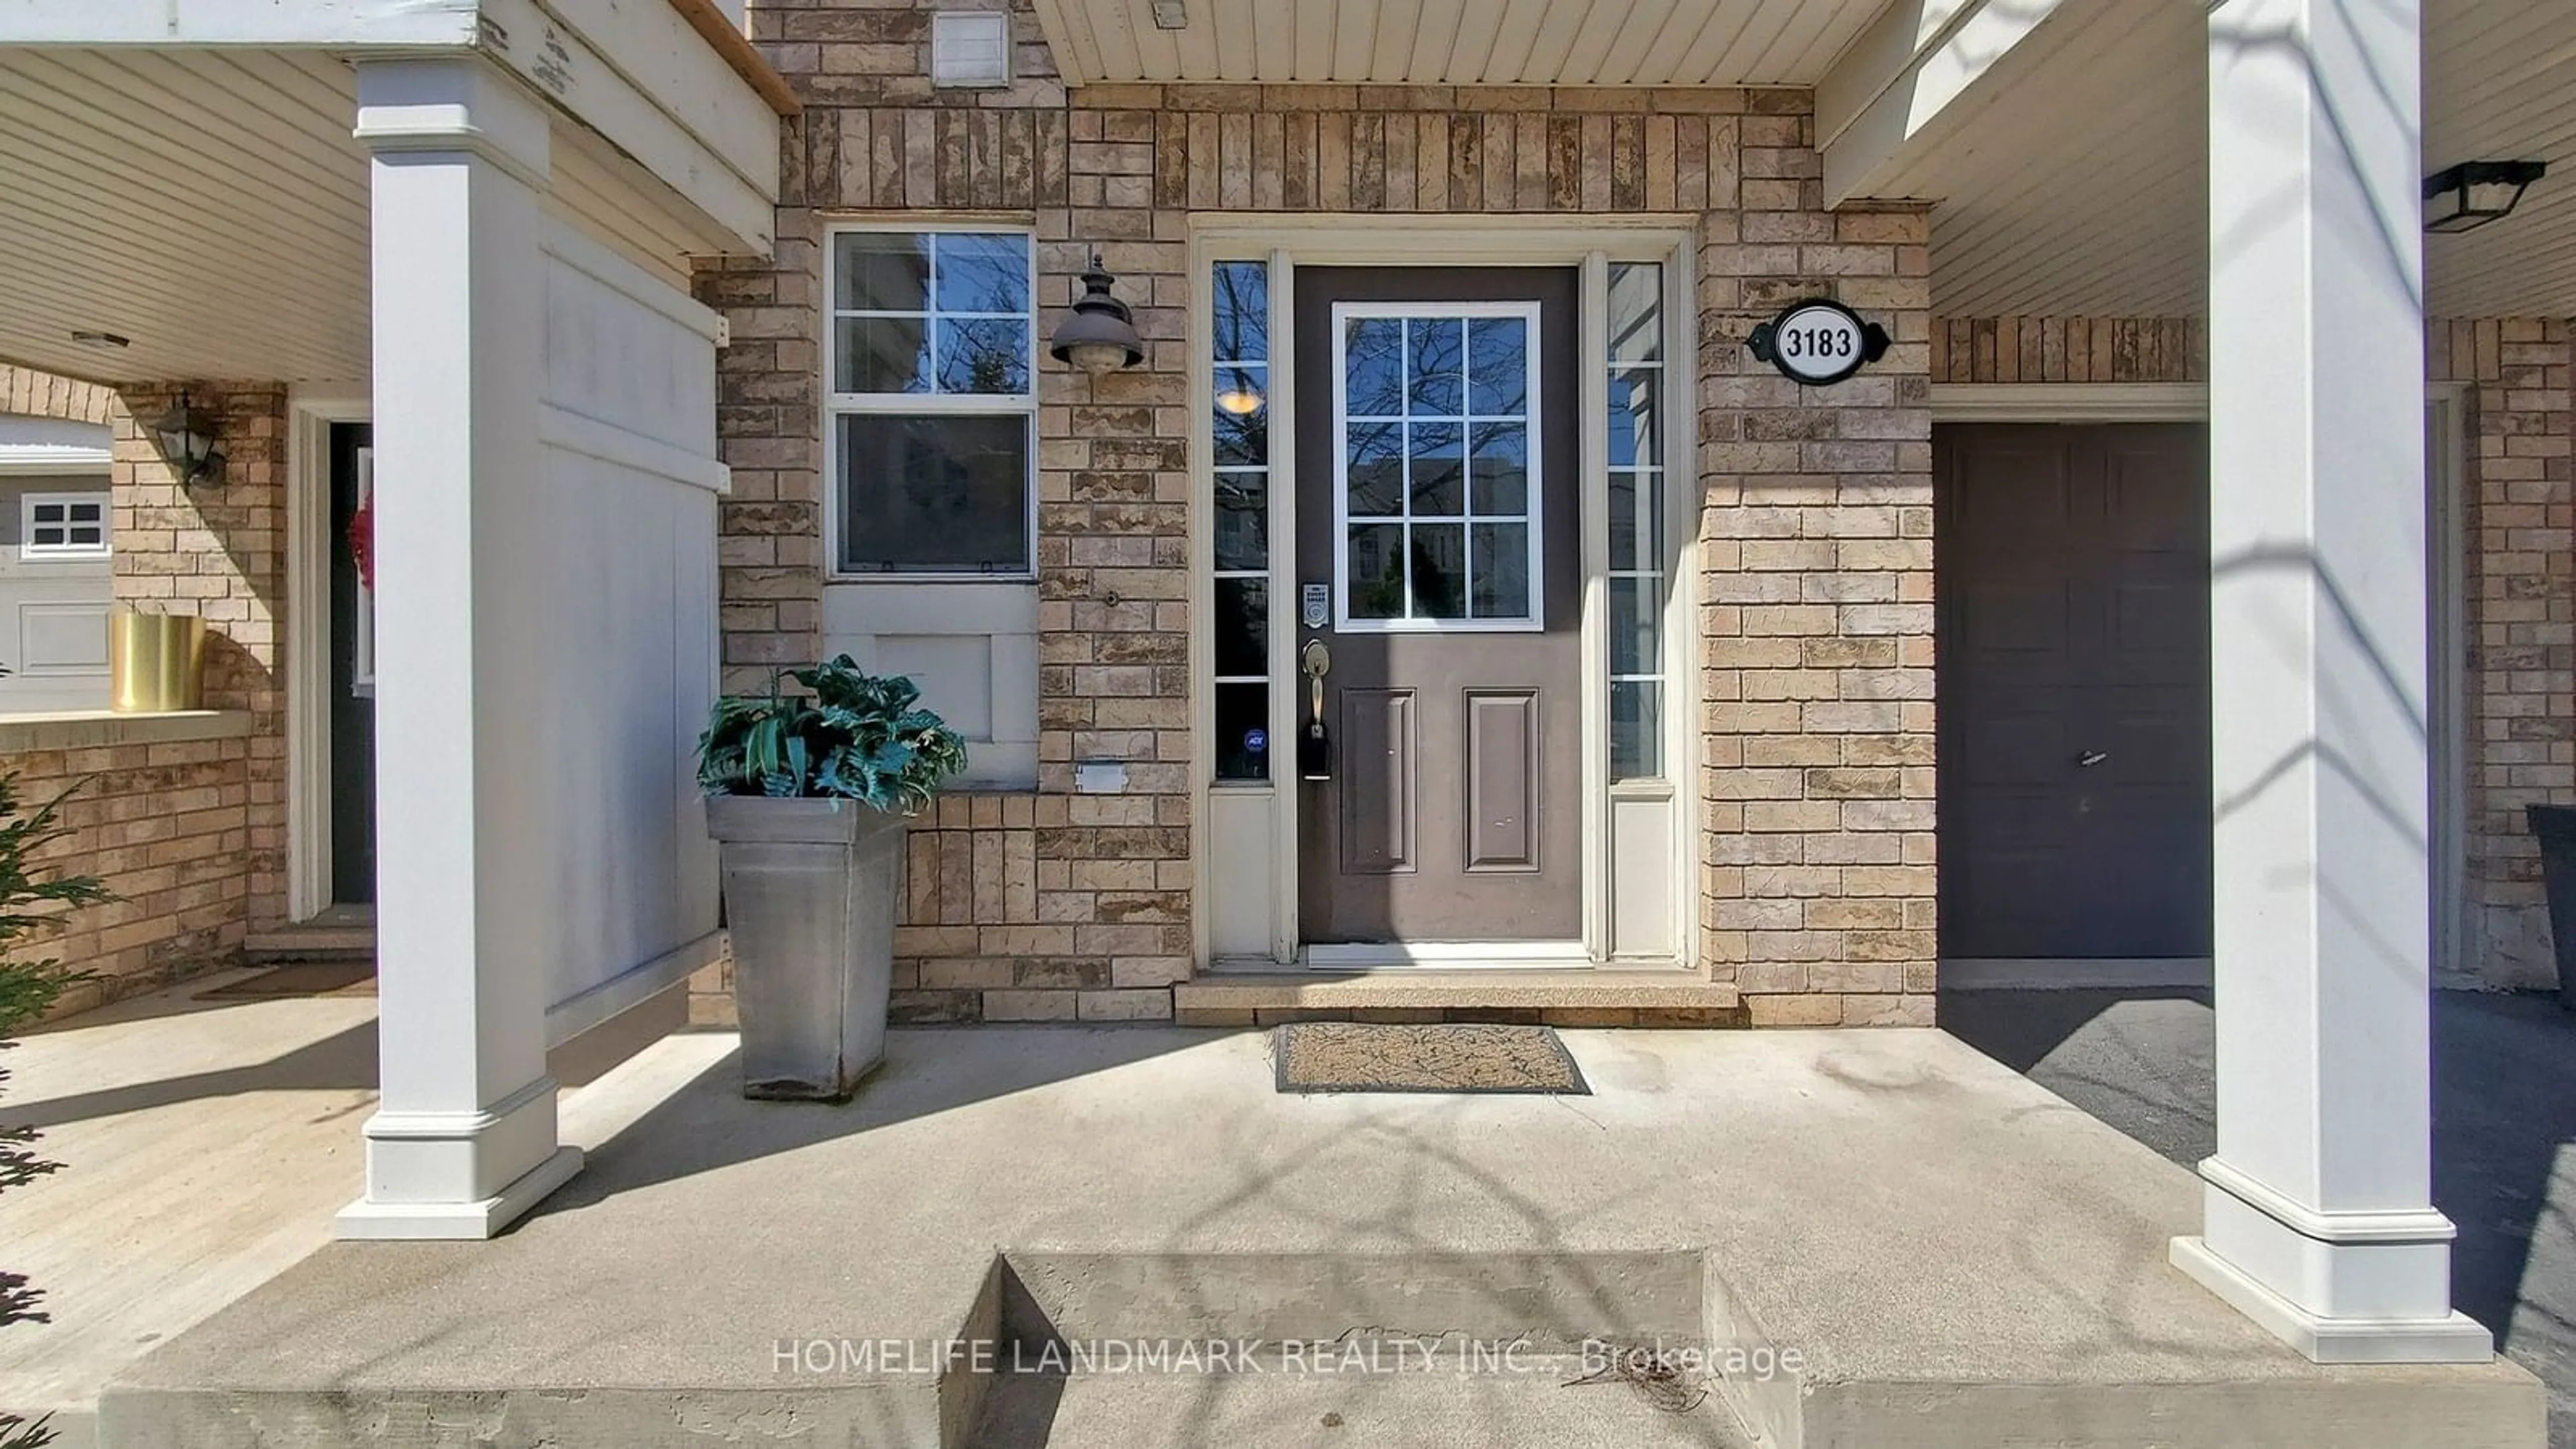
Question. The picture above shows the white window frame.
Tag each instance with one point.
(31, 551)
(1345, 313)
(837, 404)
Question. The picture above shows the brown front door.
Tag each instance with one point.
(1438, 535)
(2072, 598)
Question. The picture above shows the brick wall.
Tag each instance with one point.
(1096, 922)
(2521, 619)
(190, 835)
(2070, 349)
(1817, 555)
(220, 552)
(167, 827)
(30, 393)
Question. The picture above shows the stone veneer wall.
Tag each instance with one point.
(2520, 585)
(1818, 898)
(190, 835)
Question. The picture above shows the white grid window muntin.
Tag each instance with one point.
(1466, 419)
(63, 526)
(927, 403)
(1637, 579)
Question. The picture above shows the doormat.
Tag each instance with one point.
(1351, 1056)
(301, 978)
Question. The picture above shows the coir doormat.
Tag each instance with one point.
(1349, 1056)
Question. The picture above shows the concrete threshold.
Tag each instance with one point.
(1554, 998)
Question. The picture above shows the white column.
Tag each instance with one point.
(2319, 1217)
(464, 1139)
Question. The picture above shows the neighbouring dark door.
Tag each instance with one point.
(353, 705)
(1437, 444)
(2072, 588)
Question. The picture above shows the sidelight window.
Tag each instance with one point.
(1637, 571)
(1239, 312)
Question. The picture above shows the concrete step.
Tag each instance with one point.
(1552, 997)
(1438, 1407)
(312, 943)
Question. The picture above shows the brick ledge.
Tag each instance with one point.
(97, 728)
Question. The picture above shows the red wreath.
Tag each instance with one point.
(362, 543)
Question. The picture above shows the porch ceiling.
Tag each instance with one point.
(207, 204)
(1459, 42)
(2085, 190)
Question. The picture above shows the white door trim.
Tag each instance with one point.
(307, 628)
(2070, 402)
(1461, 241)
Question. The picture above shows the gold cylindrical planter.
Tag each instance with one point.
(156, 662)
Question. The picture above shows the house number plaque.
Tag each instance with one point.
(1818, 342)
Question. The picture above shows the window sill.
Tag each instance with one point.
(87, 729)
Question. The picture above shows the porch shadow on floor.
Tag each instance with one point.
(2504, 1115)
(1946, 1243)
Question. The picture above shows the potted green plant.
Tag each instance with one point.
(807, 798)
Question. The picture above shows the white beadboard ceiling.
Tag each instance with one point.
(2085, 189)
(1458, 42)
(210, 205)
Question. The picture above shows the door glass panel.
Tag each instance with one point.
(1376, 578)
(1499, 470)
(1373, 368)
(1439, 571)
(1437, 463)
(1376, 481)
(1500, 562)
(1498, 366)
(1440, 512)
(1435, 367)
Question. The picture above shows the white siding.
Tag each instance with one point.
(1460, 42)
(626, 512)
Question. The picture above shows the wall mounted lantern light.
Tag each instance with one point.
(1100, 337)
(2473, 193)
(186, 436)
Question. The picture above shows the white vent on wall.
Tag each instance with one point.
(970, 48)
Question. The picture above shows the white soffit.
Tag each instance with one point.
(208, 205)
(2083, 189)
(1458, 42)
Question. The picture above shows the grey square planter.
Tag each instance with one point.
(809, 889)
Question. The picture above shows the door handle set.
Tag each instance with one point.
(1314, 743)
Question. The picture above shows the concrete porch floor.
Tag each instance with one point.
(1960, 1257)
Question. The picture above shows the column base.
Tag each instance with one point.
(2453, 1338)
(465, 1221)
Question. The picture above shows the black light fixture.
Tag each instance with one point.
(187, 439)
(1100, 337)
(2473, 193)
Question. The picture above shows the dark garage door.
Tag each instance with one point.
(2073, 601)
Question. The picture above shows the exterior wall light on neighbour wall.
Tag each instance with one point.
(1100, 337)
(2473, 193)
(186, 436)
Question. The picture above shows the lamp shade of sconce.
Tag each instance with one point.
(2474, 193)
(1241, 400)
(187, 439)
(1100, 337)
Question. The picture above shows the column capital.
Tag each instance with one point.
(454, 105)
